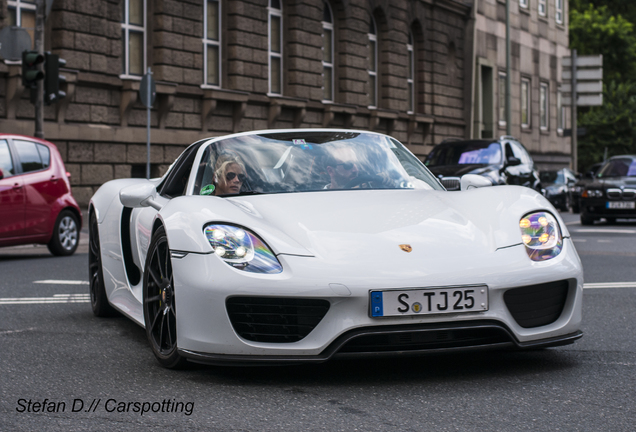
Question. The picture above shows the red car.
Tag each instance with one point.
(36, 205)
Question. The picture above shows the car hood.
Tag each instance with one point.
(460, 170)
(343, 226)
(629, 182)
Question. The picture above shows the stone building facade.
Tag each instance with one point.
(539, 41)
(402, 67)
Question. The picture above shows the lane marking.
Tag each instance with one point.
(61, 282)
(601, 231)
(609, 285)
(57, 298)
(5, 332)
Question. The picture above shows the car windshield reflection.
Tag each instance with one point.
(309, 161)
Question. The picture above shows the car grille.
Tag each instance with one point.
(537, 305)
(451, 183)
(278, 320)
(437, 337)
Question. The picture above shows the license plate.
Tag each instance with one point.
(429, 301)
(621, 205)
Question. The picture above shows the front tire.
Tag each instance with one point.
(99, 300)
(65, 237)
(586, 220)
(160, 308)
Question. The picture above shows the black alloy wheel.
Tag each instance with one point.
(160, 308)
(99, 300)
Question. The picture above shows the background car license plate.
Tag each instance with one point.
(621, 204)
(429, 301)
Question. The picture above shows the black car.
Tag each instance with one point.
(612, 193)
(502, 161)
(558, 185)
(581, 184)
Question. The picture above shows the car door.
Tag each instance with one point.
(11, 196)
(520, 174)
(41, 187)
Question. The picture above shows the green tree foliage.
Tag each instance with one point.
(596, 31)
(600, 27)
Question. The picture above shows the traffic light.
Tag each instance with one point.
(30, 72)
(52, 78)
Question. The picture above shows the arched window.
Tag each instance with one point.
(275, 47)
(133, 29)
(410, 73)
(373, 64)
(327, 53)
(212, 43)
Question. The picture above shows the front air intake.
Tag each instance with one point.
(273, 319)
(537, 305)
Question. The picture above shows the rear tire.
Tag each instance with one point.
(65, 238)
(160, 307)
(99, 300)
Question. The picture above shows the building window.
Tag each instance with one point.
(133, 34)
(502, 99)
(275, 47)
(523, 3)
(212, 43)
(559, 12)
(327, 53)
(22, 14)
(410, 83)
(373, 65)
(525, 103)
(544, 105)
(543, 9)
(560, 112)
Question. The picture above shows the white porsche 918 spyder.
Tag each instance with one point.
(292, 246)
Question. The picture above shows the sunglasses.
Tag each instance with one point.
(346, 165)
(230, 176)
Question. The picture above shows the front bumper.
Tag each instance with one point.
(203, 284)
(597, 208)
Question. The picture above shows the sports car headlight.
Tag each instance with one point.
(241, 249)
(541, 236)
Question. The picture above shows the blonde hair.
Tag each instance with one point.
(223, 162)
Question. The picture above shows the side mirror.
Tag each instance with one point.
(513, 161)
(473, 181)
(1, 175)
(139, 195)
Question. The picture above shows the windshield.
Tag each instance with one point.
(619, 167)
(309, 161)
(547, 177)
(480, 153)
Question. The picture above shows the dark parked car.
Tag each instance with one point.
(502, 161)
(558, 187)
(580, 185)
(612, 192)
(36, 205)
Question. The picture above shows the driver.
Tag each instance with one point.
(342, 167)
(229, 175)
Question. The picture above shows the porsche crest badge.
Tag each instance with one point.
(406, 248)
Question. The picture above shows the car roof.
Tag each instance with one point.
(30, 138)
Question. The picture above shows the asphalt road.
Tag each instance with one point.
(99, 374)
